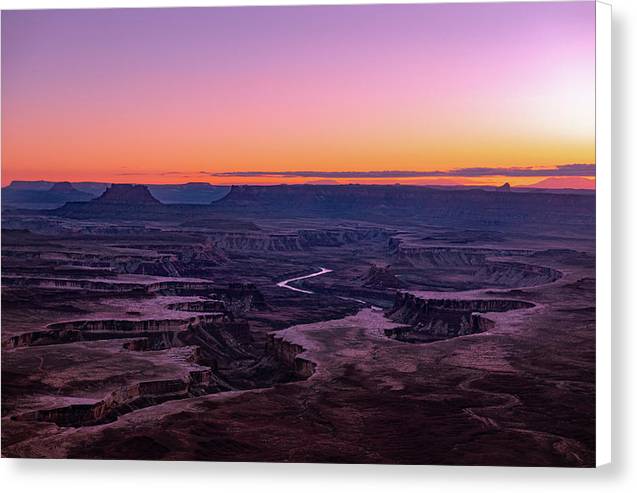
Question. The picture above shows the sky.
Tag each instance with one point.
(273, 94)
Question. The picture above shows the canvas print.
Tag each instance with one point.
(345, 234)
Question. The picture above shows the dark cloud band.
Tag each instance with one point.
(562, 170)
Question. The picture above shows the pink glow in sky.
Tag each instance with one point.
(140, 94)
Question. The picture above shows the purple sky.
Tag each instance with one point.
(96, 94)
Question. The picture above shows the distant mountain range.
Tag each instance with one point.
(565, 182)
(51, 195)
(497, 208)
(502, 209)
(42, 196)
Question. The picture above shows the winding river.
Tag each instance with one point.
(286, 283)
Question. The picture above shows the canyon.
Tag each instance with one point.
(309, 323)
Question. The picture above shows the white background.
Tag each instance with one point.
(158, 477)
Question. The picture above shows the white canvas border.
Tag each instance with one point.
(603, 208)
(603, 14)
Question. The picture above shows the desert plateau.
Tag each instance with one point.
(299, 323)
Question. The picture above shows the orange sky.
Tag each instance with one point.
(162, 95)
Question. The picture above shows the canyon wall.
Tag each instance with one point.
(429, 320)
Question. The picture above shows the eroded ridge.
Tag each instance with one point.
(288, 353)
(473, 267)
(93, 330)
(126, 399)
(207, 338)
(430, 320)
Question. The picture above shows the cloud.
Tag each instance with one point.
(151, 173)
(562, 170)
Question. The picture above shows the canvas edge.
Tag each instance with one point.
(603, 16)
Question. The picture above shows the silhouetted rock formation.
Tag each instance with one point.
(402, 204)
(64, 187)
(41, 185)
(119, 201)
(188, 193)
(504, 188)
(127, 194)
(19, 194)
(398, 204)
